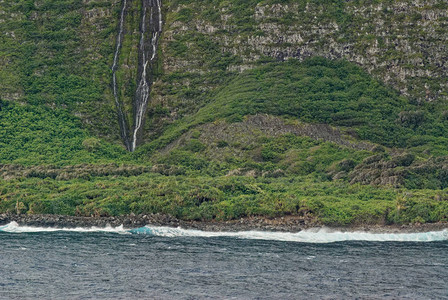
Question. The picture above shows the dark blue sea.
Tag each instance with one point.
(164, 263)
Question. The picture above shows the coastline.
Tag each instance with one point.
(280, 224)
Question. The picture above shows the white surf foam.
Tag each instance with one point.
(322, 235)
(13, 227)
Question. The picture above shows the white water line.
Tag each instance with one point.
(13, 227)
(316, 235)
(143, 86)
(120, 35)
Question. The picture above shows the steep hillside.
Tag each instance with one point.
(402, 43)
(57, 54)
(61, 53)
(328, 111)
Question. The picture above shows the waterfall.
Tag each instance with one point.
(147, 55)
(118, 104)
(147, 52)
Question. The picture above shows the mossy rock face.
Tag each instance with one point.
(404, 160)
(402, 171)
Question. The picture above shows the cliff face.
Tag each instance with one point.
(403, 43)
(61, 53)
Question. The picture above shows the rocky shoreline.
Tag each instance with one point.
(281, 224)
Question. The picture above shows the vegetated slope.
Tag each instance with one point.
(319, 139)
(319, 90)
(332, 92)
(401, 43)
(34, 135)
(259, 148)
(55, 76)
(58, 54)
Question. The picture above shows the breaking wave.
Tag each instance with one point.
(322, 235)
(13, 227)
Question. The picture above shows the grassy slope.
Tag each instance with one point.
(322, 91)
(57, 54)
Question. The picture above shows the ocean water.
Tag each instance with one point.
(171, 263)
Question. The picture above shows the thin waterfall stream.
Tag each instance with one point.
(147, 55)
(150, 30)
(121, 116)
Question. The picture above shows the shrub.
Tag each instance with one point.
(91, 144)
(346, 165)
(411, 118)
(194, 146)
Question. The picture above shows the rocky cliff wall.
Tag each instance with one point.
(403, 43)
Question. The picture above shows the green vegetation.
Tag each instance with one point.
(311, 137)
(223, 198)
(317, 90)
(47, 61)
(234, 159)
(33, 135)
(323, 91)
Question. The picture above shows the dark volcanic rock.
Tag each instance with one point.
(280, 224)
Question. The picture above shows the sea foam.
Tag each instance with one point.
(320, 235)
(13, 227)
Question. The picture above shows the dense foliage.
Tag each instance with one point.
(32, 135)
(223, 198)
